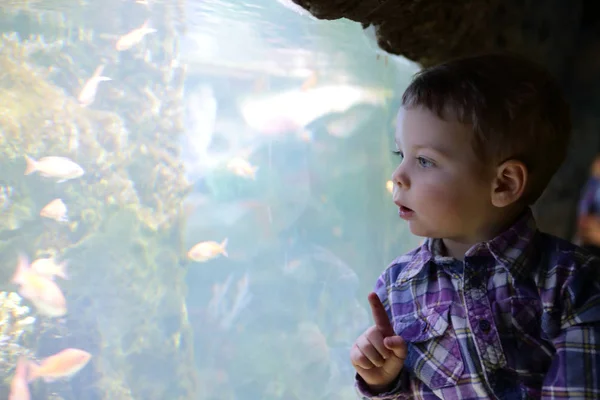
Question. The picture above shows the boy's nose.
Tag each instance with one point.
(400, 179)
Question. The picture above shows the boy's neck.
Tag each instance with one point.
(456, 248)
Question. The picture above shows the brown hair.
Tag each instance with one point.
(514, 107)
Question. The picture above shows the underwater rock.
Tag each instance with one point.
(432, 31)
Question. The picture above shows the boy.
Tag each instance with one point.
(488, 307)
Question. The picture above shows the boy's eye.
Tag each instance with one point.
(423, 162)
(398, 153)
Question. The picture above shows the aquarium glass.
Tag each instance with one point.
(195, 198)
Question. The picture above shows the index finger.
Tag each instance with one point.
(382, 321)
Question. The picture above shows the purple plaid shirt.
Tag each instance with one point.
(518, 319)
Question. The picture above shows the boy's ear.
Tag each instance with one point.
(509, 184)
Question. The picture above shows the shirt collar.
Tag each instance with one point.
(509, 249)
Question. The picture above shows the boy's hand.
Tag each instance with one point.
(378, 354)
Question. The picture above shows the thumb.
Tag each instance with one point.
(397, 345)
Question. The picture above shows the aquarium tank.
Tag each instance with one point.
(194, 198)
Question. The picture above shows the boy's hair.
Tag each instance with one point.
(514, 107)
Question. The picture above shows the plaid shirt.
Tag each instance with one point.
(518, 319)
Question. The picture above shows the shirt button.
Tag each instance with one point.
(484, 325)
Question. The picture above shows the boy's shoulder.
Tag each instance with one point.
(412, 260)
(407, 257)
(556, 262)
(556, 255)
(564, 271)
(568, 282)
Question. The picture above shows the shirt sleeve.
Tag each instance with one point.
(401, 390)
(575, 369)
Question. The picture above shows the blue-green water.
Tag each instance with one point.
(246, 126)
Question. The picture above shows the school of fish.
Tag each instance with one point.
(35, 280)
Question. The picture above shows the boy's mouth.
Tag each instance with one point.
(405, 212)
(402, 206)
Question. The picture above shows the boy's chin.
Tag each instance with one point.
(419, 230)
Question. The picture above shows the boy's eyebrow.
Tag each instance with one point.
(438, 150)
(434, 148)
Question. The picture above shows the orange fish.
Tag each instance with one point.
(132, 38)
(49, 268)
(62, 365)
(19, 389)
(205, 251)
(60, 168)
(88, 91)
(56, 210)
(44, 293)
(242, 167)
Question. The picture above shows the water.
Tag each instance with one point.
(233, 211)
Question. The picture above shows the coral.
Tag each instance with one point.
(126, 292)
(16, 321)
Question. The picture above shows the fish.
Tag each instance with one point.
(132, 38)
(208, 250)
(44, 293)
(26, 321)
(56, 210)
(19, 388)
(88, 92)
(49, 268)
(62, 365)
(242, 167)
(294, 110)
(60, 168)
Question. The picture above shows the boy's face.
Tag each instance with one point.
(441, 188)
